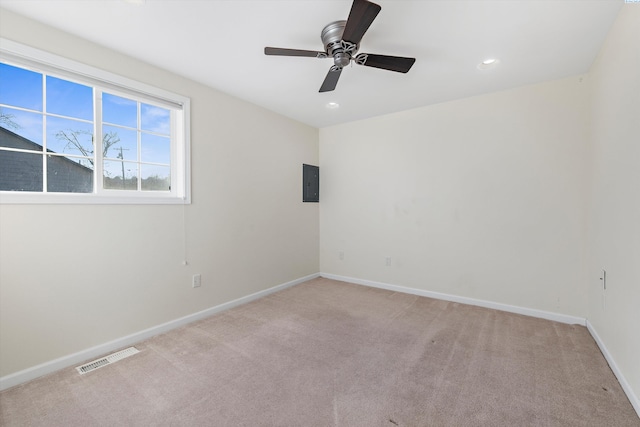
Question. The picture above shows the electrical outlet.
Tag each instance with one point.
(197, 281)
(387, 261)
(341, 255)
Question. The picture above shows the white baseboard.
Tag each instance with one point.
(99, 350)
(563, 318)
(635, 402)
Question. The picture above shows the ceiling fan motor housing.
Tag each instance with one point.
(341, 51)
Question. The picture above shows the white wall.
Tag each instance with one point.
(483, 197)
(73, 277)
(615, 203)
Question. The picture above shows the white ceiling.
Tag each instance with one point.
(220, 43)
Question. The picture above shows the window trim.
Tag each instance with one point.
(46, 62)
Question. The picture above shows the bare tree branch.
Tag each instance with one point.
(7, 120)
(72, 141)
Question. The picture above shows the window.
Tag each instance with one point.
(70, 133)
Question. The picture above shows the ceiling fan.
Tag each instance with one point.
(341, 41)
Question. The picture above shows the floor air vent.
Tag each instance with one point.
(112, 358)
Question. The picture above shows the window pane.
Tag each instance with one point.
(20, 87)
(20, 171)
(155, 119)
(69, 99)
(120, 175)
(155, 149)
(119, 111)
(155, 178)
(69, 136)
(119, 143)
(69, 175)
(20, 129)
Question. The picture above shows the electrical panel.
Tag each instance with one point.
(310, 183)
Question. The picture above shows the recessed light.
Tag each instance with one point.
(488, 63)
(332, 105)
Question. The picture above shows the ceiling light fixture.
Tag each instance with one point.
(332, 105)
(488, 64)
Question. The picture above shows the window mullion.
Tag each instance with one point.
(45, 184)
(97, 150)
(139, 145)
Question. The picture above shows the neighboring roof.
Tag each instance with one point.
(22, 171)
(13, 140)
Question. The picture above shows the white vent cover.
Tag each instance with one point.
(112, 358)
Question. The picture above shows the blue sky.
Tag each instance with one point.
(24, 89)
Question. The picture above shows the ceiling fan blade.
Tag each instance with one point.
(331, 81)
(362, 14)
(293, 52)
(385, 62)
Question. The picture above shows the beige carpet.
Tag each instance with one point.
(327, 353)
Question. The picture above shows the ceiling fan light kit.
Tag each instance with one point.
(341, 40)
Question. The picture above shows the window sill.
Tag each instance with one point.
(14, 198)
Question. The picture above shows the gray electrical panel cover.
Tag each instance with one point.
(310, 183)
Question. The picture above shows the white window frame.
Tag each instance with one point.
(40, 61)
